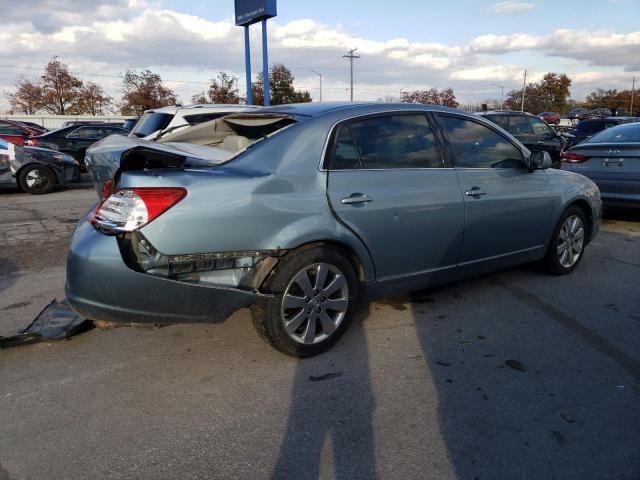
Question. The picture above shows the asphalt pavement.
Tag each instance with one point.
(514, 375)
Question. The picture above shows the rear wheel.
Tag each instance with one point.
(567, 244)
(315, 295)
(37, 179)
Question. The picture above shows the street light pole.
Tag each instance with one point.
(501, 94)
(524, 89)
(320, 75)
(633, 89)
(351, 55)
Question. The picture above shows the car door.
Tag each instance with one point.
(6, 153)
(388, 183)
(82, 138)
(507, 207)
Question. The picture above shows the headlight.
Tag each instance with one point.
(63, 157)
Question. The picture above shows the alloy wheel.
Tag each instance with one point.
(570, 241)
(315, 303)
(36, 179)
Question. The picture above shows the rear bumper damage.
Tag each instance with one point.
(100, 286)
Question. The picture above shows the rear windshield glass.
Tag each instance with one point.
(151, 122)
(622, 134)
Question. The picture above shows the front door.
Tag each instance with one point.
(387, 182)
(507, 207)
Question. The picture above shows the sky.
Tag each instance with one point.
(469, 45)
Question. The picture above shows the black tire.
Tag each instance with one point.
(45, 180)
(269, 318)
(552, 263)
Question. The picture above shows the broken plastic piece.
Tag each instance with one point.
(55, 322)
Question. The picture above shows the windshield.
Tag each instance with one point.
(629, 133)
(151, 122)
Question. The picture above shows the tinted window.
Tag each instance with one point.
(86, 132)
(519, 125)
(394, 141)
(502, 120)
(8, 129)
(477, 146)
(622, 134)
(540, 128)
(344, 155)
(202, 117)
(151, 122)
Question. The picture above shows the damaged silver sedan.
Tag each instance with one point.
(302, 211)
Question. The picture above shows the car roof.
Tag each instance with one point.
(504, 112)
(201, 106)
(315, 109)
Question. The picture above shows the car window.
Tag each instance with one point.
(628, 133)
(86, 132)
(394, 141)
(540, 128)
(8, 129)
(198, 118)
(502, 120)
(151, 122)
(520, 125)
(477, 146)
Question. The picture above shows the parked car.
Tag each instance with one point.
(598, 113)
(75, 140)
(552, 118)
(39, 129)
(591, 126)
(611, 158)
(35, 170)
(15, 132)
(71, 123)
(577, 113)
(172, 118)
(535, 134)
(321, 207)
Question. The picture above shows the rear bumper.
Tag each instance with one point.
(101, 287)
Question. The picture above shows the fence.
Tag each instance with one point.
(56, 121)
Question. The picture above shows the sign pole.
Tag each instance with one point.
(265, 65)
(247, 64)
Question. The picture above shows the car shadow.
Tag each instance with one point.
(518, 395)
(331, 414)
(8, 270)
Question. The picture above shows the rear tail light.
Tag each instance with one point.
(130, 209)
(30, 142)
(573, 157)
(107, 187)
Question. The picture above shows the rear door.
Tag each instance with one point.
(388, 183)
(507, 207)
(82, 138)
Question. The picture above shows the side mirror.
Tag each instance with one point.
(539, 160)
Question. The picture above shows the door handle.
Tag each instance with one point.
(356, 198)
(475, 192)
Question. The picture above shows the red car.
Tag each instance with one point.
(16, 132)
(550, 117)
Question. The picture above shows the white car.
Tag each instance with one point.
(167, 120)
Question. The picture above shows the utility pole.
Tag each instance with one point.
(351, 55)
(524, 88)
(633, 88)
(320, 75)
(501, 94)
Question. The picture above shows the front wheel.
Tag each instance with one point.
(37, 179)
(315, 295)
(567, 244)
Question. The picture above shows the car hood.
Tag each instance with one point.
(103, 158)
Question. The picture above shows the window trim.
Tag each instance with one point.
(77, 136)
(325, 159)
(485, 123)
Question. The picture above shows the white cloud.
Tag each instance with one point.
(511, 6)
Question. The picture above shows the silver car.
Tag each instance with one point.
(611, 158)
(313, 209)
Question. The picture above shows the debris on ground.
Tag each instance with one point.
(56, 321)
(516, 365)
(326, 376)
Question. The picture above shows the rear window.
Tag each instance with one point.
(198, 118)
(151, 122)
(629, 133)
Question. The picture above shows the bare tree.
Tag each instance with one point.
(445, 97)
(60, 88)
(222, 89)
(27, 98)
(93, 100)
(143, 91)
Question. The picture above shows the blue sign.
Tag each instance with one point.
(253, 11)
